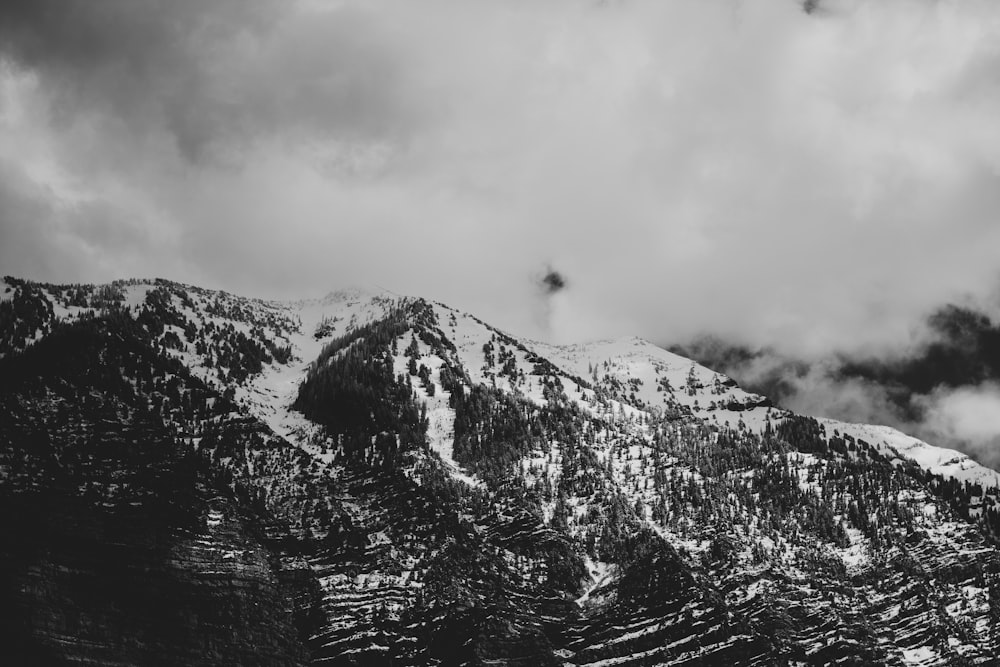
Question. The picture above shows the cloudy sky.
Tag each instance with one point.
(814, 181)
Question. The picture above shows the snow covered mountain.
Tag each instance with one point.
(372, 479)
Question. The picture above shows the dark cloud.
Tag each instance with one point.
(552, 281)
(21, 234)
(45, 236)
(213, 76)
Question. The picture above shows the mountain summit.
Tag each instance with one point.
(189, 477)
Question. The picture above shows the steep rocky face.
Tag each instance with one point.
(121, 546)
(366, 479)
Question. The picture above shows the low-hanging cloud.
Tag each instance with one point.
(810, 180)
(967, 416)
(945, 391)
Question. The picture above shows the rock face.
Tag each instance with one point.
(119, 548)
(189, 477)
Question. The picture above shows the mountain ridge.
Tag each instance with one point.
(638, 507)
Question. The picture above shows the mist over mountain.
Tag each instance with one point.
(943, 389)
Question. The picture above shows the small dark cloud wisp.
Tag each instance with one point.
(553, 281)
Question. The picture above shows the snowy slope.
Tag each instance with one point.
(653, 378)
(632, 375)
(316, 322)
(949, 463)
(859, 551)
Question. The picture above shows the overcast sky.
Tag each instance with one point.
(812, 181)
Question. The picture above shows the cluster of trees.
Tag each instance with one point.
(326, 326)
(611, 387)
(418, 370)
(111, 453)
(496, 354)
(493, 431)
(94, 402)
(969, 500)
(97, 297)
(235, 355)
(28, 314)
(24, 313)
(762, 483)
(97, 406)
(351, 389)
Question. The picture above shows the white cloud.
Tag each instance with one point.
(970, 414)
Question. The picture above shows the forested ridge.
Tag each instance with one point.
(436, 491)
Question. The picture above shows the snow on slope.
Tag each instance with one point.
(637, 374)
(6, 290)
(440, 414)
(652, 377)
(949, 463)
(699, 388)
(471, 335)
(271, 394)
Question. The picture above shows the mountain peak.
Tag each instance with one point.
(357, 293)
